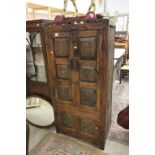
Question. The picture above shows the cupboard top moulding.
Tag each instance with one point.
(74, 24)
(37, 24)
(80, 54)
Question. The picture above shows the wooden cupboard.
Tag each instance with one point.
(80, 69)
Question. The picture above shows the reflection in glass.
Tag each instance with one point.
(35, 66)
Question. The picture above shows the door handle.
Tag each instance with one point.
(75, 47)
(75, 63)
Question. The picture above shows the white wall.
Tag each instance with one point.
(122, 6)
(82, 5)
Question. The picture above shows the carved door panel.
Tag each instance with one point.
(68, 123)
(61, 46)
(89, 128)
(89, 43)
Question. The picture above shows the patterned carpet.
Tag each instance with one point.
(57, 144)
(120, 100)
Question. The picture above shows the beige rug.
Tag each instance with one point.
(57, 144)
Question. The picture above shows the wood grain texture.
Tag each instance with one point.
(87, 48)
(61, 47)
(82, 78)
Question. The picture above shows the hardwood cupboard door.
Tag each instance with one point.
(90, 55)
(77, 64)
(77, 59)
(65, 76)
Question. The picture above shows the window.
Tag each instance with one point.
(122, 23)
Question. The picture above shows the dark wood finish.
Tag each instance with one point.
(27, 138)
(123, 118)
(39, 87)
(80, 67)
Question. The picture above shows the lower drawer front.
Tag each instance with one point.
(81, 128)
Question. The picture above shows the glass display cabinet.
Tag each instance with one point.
(36, 60)
(35, 65)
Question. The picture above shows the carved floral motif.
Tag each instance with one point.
(88, 74)
(87, 126)
(87, 48)
(88, 97)
(68, 120)
(61, 47)
(63, 71)
(64, 93)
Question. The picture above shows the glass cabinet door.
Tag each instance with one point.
(35, 65)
